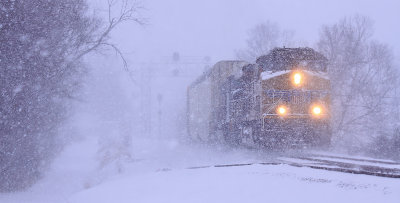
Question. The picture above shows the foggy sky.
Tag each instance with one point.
(217, 28)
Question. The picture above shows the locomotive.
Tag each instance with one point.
(281, 100)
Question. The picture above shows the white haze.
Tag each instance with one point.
(217, 28)
(140, 119)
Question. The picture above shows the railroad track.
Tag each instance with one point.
(373, 167)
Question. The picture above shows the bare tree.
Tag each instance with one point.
(128, 12)
(262, 38)
(42, 44)
(363, 78)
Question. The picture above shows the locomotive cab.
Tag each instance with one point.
(295, 99)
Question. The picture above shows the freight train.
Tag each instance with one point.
(282, 100)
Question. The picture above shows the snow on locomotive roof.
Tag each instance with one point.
(266, 75)
(280, 59)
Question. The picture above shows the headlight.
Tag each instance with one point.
(316, 110)
(297, 78)
(282, 110)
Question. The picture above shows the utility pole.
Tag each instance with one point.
(159, 99)
(146, 104)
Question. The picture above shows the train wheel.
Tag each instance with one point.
(232, 138)
(256, 136)
(325, 138)
(321, 138)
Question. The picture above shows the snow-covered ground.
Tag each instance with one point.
(256, 183)
(160, 172)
